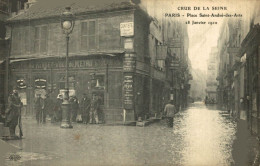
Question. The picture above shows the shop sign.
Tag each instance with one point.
(61, 64)
(128, 44)
(126, 29)
(128, 91)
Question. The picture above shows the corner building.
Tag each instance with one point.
(108, 56)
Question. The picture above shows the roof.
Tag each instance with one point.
(51, 8)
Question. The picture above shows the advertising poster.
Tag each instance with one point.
(155, 82)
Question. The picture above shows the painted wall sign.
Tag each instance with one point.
(128, 44)
(126, 29)
(128, 91)
(129, 63)
(61, 64)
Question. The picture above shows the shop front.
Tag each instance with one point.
(101, 75)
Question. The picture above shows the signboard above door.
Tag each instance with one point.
(126, 29)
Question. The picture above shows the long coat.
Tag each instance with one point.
(85, 105)
(13, 109)
(39, 104)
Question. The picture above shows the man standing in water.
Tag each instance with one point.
(13, 112)
(169, 111)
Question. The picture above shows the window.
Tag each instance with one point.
(62, 81)
(88, 35)
(40, 44)
(98, 82)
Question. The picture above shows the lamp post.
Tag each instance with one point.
(67, 25)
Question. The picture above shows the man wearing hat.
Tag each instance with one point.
(74, 107)
(170, 111)
(13, 112)
(94, 106)
(85, 108)
(39, 106)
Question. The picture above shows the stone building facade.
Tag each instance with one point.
(128, 72)
(238, 89)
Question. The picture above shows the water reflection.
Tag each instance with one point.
(208, 136)
(200, 136)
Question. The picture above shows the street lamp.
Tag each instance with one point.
(67, 25)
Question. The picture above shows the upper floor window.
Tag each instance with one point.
(21, 40)
(88, 35)
(40, 44)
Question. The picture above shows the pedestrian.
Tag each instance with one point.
(57, 110)
(99, 109)
(74, 107)
(85, 108)
(48, 107)
(94, 105)
(39, 106)
(170, 111)
(2, 113)
(13, 112)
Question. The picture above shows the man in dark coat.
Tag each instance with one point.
(74, 107)
(39, 106)
(13, 112)
(48, 107)
(57, 110)
(85, 107)
(94, 105)
(170, 111)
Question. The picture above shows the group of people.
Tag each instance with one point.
(209, 100)
(86, 111)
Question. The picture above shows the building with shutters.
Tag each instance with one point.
(112, 53)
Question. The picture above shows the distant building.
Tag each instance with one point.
(211, 83)
(198, 85)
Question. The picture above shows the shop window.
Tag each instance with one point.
(88, 35)
(98, 82)
(40, 44)
(62, 81)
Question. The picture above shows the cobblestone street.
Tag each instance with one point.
(200, 136)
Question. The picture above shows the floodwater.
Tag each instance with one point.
(201, 136)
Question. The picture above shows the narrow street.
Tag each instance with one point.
(201, 136)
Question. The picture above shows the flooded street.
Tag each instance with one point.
(201, 136)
